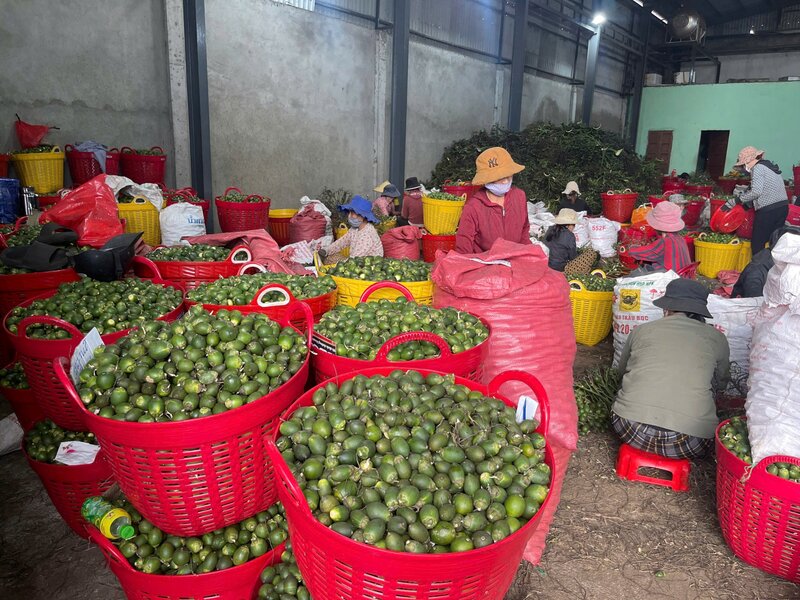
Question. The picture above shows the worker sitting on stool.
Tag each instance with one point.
(670, 367)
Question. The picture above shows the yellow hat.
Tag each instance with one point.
(494, 164)
(381, 186)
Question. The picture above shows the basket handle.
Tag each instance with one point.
(260, 198)
(182, 193)
(69, 148)
(317, 262)
(19, 224)
(380, 285)
(577, 286)
(236, 261)
(230, 189)
(599, 273)
(189, 190)
(149, 265)
(126, 150)
(414, 336)
(110, 552)
(536, 387)
(159, 148)
(735, 242)
(258, 299)
(60, 369)
(22, 328)
(55, 149)
(304, 308)
(627, 191)
(245, 268)
(621, 250)
(113, 150)
(759, 472)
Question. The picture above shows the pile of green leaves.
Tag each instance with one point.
(700, 178)
(444, 196)
(594, 395)
(145, 151)
(41, 148)
(595, 283)
(718, 238)
(555, 154)
(333, 199)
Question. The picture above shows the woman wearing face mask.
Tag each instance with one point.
(362, 238)
(497, 210)
(767, 194)
(385, 203)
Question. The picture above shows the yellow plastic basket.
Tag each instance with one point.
(745, 256)
(714, 258)
(43, 171)
(441, 217)
(282, 213)
(340, 232)
(591, 313)
(141, 215)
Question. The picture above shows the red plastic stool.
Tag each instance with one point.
(630, 460)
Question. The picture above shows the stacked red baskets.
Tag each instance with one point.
(144, 168)
(83, 166)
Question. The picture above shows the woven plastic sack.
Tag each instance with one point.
(733, 317)
(402, 242)
(633, 304)
(581, 231)
(90, 210)
(603, 235)
(307, 225)
(180, 220)
(527, 306)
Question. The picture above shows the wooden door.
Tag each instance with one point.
(659, 147)
(717, 150)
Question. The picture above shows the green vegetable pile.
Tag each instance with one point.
(25, 236)
(415, 464)
(240, 290)
(201, 365)
(444, 196)
(109, 306)
(144, 151)
(4, 270)
(283, 581)
(594, 395)
(44, 438)
(360, 331)
(154, 552)
(13, 377)
(554, 154)
(234, 196)
(700, 178)
(596, 283)
(717, 238)
(40, 149)
(376, 268)
(196, 253)
(733, 435)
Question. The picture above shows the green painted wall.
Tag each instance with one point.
(764, 115)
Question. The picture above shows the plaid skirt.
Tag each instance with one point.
(656, 440)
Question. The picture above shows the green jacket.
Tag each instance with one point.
(670, 368)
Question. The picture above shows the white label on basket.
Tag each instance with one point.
(84, 353)
(76, 453)
(526, 408)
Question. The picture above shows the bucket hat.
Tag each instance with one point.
(572, 186)
(685, 295)
(747, 154)
(494, 164)
(666, 216)
(566, 216)
(361, 206)
(412, 183)
(391, 191)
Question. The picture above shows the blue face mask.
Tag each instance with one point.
(354, 221)
(498, 189)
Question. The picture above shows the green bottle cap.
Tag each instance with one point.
(126, 532)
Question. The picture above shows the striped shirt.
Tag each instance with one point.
(669, 251)
(766, 188)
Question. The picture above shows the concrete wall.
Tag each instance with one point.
(757, 114)
(96, 71)
(749, 66)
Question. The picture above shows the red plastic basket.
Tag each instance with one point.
(328, 364)
(715, 206)
(759, 513)
(619, 207)
(189, 275)
(68, 486)
(242, 216)
(793, 218)
(4, 159)
(460, 190)
(194, 476)
(187, 194)
(36, 356)
(692, 212)
(279, 310)
(83, 166)
(16, 289)
(24, 406)
(699, 190)
(143, 168)
(236, 583)
(796, 175)
(432, 243)
(672, 184)
(335, 567)
(279, 226)
(746, 228)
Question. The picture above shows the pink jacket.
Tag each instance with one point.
(483, 221)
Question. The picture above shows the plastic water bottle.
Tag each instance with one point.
(113, 522)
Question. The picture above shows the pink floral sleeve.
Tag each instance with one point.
(366, 242)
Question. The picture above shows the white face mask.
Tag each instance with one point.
(498, 189)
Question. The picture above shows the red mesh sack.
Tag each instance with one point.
(528, 308)
(90, 210)
(307, 225)
(30, 135)
(402, 242)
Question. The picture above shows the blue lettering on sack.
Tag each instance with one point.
(195, 221)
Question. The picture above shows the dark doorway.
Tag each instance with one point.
(712, 152)
(659, 147)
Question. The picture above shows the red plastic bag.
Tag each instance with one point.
(402, 242)
(89, 209)
(307, 225)
(528, 308)
(30, 135)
